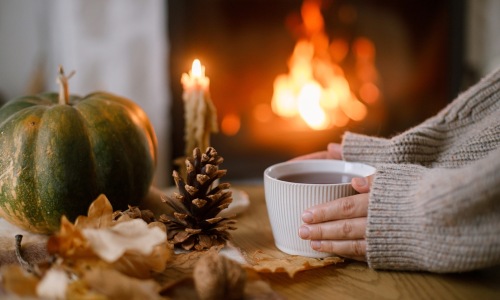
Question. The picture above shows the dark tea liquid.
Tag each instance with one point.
(318, 177)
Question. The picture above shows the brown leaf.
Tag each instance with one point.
(115, 285)
(181, 266)
(69, 242)
(17, 281)
(79, 290)
(290, 264)
(100, 214)
(133, 236)
(129, 245)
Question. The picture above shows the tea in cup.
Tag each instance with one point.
(292, 187)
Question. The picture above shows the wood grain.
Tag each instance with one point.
(354, 280)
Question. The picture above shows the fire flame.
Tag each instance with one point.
(315, 87)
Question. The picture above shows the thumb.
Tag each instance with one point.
(362, 184)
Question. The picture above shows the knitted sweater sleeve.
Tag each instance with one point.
(465, 130)
(435, 200)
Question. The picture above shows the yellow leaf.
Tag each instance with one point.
(15, 280)
(290, 264)
(115, 285)
(100, 214)
(69, 242)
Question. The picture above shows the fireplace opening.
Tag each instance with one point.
(287, 77)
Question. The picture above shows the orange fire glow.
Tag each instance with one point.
(315, 87)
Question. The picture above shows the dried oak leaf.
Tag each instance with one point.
(290, 264)
(99, 215)
(135, 236)
(69, 242)
(17, 281)
(115, 285)
(80, 290)
(181, 267)
(140, 265)
(128, 245)
(53, 285)
(135, 212)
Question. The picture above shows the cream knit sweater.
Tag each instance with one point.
(435, 200)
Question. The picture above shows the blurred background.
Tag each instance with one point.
(286, 76)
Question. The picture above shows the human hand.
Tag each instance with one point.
(339, 226)
(334, 151)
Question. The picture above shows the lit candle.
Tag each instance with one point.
(199, 111)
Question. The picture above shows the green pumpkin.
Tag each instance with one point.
(59, 152)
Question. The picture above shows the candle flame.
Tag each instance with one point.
(197, 70)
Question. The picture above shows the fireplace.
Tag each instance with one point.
(386, 64)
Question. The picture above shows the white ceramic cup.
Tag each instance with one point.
(286, 201)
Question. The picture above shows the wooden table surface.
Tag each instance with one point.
(354, 280)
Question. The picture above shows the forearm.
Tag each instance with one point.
(439, 220)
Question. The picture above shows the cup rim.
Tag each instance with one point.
(362, 170)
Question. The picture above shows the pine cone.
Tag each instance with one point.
(192, 221)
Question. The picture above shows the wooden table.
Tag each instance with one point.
(354, 280)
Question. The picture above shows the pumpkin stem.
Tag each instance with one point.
(24, 264)
(62, 80)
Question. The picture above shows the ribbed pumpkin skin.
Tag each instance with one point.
(56, 159)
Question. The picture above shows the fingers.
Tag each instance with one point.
(355, 249)
(362, 184)
(349, 229)
(343, 208)
(334, 151)
(314, 155)
(338, 226)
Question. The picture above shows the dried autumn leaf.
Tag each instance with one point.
(53, 284)
(17, 281)
(99, 215)
(115, 285)
(140, 266)
(181, 267)
(134, 212)
(69, 242)
(134, 236)
(79, 290)
(290, 264)
(128, 245)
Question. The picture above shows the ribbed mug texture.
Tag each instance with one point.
(286, 201)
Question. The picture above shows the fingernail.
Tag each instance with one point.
(304, 232)
(316, 245)
(307, 217)
(360, 181)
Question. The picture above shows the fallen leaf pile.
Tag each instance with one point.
(100, 256)
(119, 255)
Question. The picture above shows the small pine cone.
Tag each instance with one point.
(192, 221)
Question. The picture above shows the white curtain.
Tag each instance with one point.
(119, 46)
